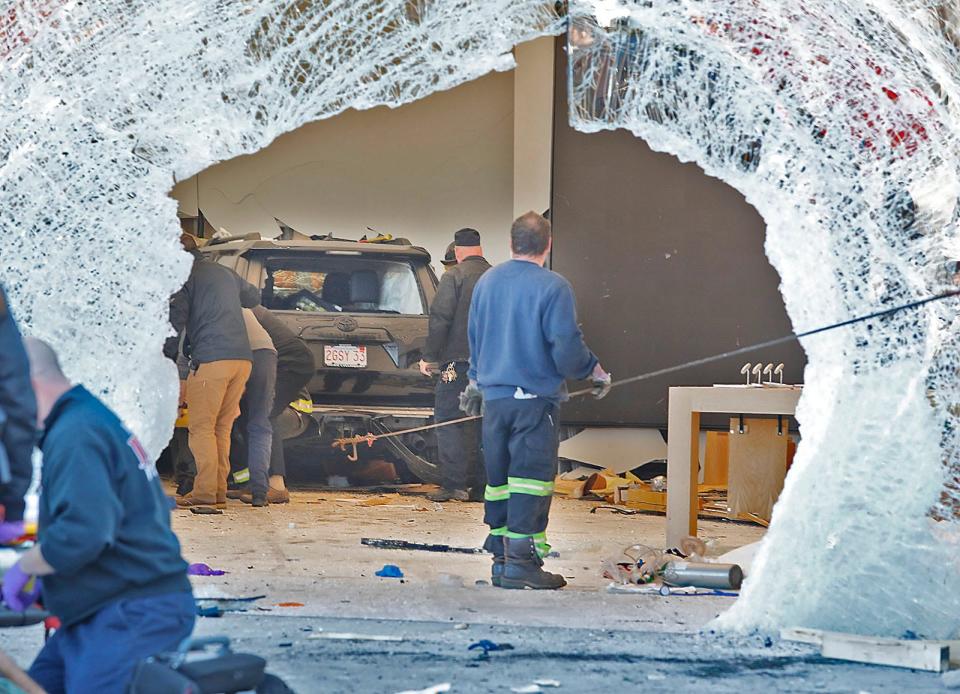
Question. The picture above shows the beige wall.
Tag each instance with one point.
(420, 171)
(532, 125)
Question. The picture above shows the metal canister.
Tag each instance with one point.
(701, 575)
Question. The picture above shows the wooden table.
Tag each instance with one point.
(683, 440)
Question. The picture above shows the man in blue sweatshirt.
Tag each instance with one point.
(524, 343)
(110, 564)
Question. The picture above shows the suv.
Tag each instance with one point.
(362, 308)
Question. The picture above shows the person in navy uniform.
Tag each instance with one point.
(524, 343)
(108, 560)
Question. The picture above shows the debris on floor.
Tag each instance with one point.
(628, 494)
(209, 611)
(912, 653)
(616, 509)
(488, 646)
(351, 636)
(435, 689)
(201, 569)
(384, 543)
(390, 571)
(227, 604)
(535, 687)
(666, 591)
(664, 570)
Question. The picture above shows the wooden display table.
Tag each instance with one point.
(683, 442)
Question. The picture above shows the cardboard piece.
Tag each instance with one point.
(757, 467)
(618, 450)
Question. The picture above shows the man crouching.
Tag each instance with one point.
(110, 564)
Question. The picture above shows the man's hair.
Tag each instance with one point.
(529, 235)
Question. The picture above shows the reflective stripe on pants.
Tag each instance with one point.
(520, 439)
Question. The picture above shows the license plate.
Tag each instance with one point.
(345, 356)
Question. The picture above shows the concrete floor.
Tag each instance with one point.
(309, 552)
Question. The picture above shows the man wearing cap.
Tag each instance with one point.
(449, 260)
(448, 351)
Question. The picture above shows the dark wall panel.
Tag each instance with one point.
(668, 266)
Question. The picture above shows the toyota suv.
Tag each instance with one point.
(362, 309)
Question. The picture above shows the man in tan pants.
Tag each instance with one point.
(207, 311)
(213, 397)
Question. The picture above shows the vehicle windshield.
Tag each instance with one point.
(321, 283)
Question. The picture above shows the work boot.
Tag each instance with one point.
(184, 487)
(496, 571)
(494, 545)
(278, 496)
(449, 495)
(523, 567)
(190, 500)
(256, 500)
(476, 493)
(237, 492)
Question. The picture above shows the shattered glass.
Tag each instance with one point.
(838, 120)
(104, 105)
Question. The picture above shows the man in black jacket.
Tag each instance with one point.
(18, 422)
(448, 351)
(109, 561)
(208, 310)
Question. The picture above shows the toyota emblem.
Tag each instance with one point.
(345, 324)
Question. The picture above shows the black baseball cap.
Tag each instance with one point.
(450, 257)
(467, 237)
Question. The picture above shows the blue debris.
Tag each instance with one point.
(488, 646)
(390, 571)
(209, 611)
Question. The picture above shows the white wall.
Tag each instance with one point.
(421, 171)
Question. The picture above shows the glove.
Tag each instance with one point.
(20, 589)
(10, 531)
(602, 383)
(471, 400)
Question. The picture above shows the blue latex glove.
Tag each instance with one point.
(20, 589)
(10, 531)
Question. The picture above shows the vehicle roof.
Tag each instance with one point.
(243, 245)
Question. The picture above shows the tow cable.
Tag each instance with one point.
(370, 439)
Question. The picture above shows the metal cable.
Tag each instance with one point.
(369, 439)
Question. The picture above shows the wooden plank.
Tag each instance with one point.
(572, 489)
(753, 517)
(758, 465)
(932, 656)
(716, 458)
(692, 501)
